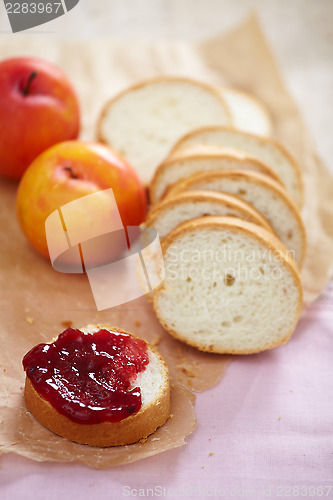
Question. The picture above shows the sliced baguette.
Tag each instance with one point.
(155, 409)
(264, 194)
(194, 158)
(144, 121)
(174, 210)
(266, 150)
(247, 112)
(237, 291)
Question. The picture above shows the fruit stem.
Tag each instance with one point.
(32, 76)
(72, 175)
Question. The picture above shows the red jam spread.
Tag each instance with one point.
(88, 377)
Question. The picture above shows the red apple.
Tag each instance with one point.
(71, 170)
(38, 108)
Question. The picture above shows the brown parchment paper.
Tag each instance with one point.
(36, 302)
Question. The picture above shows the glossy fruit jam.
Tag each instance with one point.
(88, 376)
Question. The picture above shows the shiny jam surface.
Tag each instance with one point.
(88, 377)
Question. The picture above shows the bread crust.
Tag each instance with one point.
(259, 179)
(233, 154)
(267, 140)
(268, 239)
(127, 431)
(158, 79)
(224, 199)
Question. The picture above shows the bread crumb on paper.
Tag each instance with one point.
(189, 372)
(279, 418)
(30, 320)
(211, 453)
(67, 323)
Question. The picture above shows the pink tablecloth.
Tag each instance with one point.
(265, 430)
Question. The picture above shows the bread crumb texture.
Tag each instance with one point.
(226, 289)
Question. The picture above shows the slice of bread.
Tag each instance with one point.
(155, 410)
(266, 196)
(143, 122)
(195, 158)
(186, 205)
(247, 113)
(267, 150)
(230, 287)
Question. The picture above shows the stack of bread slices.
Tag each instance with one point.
(225, 201)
